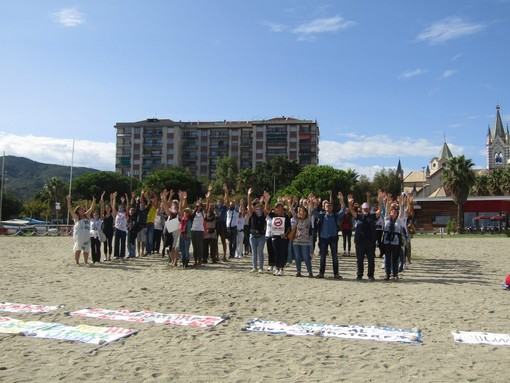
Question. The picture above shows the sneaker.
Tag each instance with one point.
(276, 271)
(338, 276)
(371, 279)
(280, 272)
(387, 277)
(310, 275)
(359, 278)
(253, 270)
(270, 268)
(261, 271)
(319, 276)
(298, 274)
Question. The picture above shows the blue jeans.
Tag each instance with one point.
(332, 243)
(184, 244)
(290, 252)
(149, 246)
(257, 248)
(131, 247)
(232, 241)
(302, 253)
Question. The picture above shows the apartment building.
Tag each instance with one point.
(151, 144)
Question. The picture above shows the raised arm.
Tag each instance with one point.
(88, 213)
(250, 207)
(101, 206)
(208, 198)
(70, 209)
(267, 199)
(350, 201)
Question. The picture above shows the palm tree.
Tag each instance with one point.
(458, 178)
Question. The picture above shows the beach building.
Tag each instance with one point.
(434, 208)
(143, 146)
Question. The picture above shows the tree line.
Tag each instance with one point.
(279, 176)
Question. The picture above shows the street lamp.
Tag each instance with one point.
(2, 186)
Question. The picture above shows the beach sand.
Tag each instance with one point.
(454, 283)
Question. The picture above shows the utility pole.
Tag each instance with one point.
(2, 185)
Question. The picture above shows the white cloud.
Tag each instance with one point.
(275, 27)
(91, 154)
(412, 73)
(448, 73)
(449, 29)
(323, 25)
(344, 154)
(69, 17)
(456, 57)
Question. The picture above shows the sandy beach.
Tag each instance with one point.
(454, 283)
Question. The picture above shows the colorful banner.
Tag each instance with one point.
(150, 317)
(22, 308)
(481, 338)
(82, 333)
(15, 326)
(376, 333)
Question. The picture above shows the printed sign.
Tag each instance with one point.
(278, 227)
(172, 225)
(481, 338)
(22, 308)
(150, 316)
(376, 333)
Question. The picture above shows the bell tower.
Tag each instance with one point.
(498, 144)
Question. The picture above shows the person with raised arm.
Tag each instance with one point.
(221, 212)
(81, 232)
(210, 247)
(121, 217)
(327, 231)
(256, 216)
(392, 237)
(108, 229)
(171, 234)
(365, 235)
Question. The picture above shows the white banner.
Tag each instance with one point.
(376, 333)
(481, 338)
(150, 316)
(22, 308)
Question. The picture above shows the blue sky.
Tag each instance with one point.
(386, 80)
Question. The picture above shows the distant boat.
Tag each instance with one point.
(16, 226)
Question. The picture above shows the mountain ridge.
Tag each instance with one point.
(25, 177)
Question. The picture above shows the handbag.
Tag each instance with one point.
(411, 228)
(102, 236)
(292, 233)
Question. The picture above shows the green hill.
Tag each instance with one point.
(24, 177)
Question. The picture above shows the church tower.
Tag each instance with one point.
(498, 144)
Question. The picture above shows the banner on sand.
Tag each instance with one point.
(22, 308)
(376, 333)
(481, 338)
(82, 333)
(150, 317)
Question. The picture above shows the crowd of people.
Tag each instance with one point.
(287, 231)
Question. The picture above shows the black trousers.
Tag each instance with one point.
(365, 248)
(95, 247)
